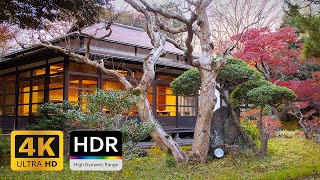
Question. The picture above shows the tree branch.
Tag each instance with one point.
(176, 44)
(150, 21)
(188, 42)
(266, 70)
(219, 63)
(168, 28)
(192, 2)
(145, 7)
(285, 109)
(224, 97)
(229, 49)
(280, 79)
(107, 27)
(87, 61)
(166, 14)
(246, 107)
(21, 44)
(257, 67)
(138, 6)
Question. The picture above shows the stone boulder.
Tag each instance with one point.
(224, 132)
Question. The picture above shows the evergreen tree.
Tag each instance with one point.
(307, 21)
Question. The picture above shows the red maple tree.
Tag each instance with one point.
(269, 51)
(309, 123)
(277, 55)
(306, 90)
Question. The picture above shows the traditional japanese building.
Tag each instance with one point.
(35, 75)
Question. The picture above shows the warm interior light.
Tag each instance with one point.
(123, 72)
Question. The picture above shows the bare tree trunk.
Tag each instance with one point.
(305, 132)
(207, 101)
(262, 137)
(278, 115)
(263, 145)
(163, 140)
(275, 112)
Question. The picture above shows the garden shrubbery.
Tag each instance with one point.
(54, 116)
(110, 110)
(103, 110)
(251, 129)
(4, 150)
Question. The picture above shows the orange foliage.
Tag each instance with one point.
(270, 125)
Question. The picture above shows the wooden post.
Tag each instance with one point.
(66, 78)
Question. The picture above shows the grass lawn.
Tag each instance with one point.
(288, 158)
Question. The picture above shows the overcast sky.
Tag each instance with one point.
(120, 4)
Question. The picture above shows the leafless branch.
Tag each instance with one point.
(138, 6)
(266, 70)
(228, 18)
(229, 49)
(257, 67)
(280, 79)
(107, 27)
(285, 109)
(168, 28)
(87, 61)
(21, 44)
(155, 9)
(192, 2)
(176, 44)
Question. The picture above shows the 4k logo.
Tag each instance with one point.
(36, 150)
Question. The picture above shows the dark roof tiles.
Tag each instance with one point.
(121, 34)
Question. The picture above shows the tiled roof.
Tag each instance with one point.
(164, 62)
(128, 35)
(121, 34)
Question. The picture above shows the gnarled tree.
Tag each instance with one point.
(158, 40)
(194, 22)
(251, 91)
(163, 140)
(234, 73)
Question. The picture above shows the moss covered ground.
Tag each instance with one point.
(289, 157)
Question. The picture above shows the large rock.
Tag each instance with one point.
(224, 132)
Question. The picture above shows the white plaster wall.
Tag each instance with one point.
(220, 102)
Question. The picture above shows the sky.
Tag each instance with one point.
(122, 5)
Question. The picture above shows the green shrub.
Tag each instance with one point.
(135, 131)
(132, 133)
(234, 73)
(54, 116)
(187, 84)
(251, 129)
(4, 150)
(118, 103)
